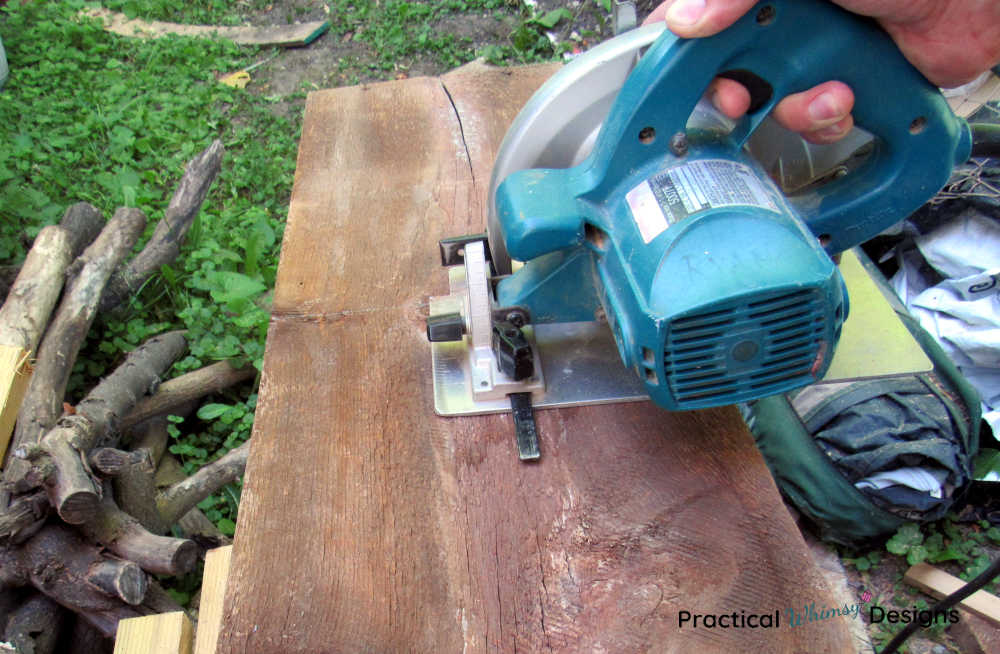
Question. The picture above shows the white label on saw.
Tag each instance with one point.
(683, 190)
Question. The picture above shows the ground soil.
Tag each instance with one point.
(321, 65)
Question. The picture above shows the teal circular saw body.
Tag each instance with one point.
(717, 286)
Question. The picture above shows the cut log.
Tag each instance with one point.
(24, 516)
(135, 489)
(61, 565)
(125, 536)
(164, 246)
(29, 304)
(42, 404)
(175, 393)
(110, 462)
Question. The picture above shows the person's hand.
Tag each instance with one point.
(950, 41)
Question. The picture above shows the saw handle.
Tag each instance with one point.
(793, 45)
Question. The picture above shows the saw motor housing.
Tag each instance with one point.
(717, 287)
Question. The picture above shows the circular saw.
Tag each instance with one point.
(694, 251)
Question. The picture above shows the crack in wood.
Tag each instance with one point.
(461, 131)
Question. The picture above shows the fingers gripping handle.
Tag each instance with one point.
(794, 45)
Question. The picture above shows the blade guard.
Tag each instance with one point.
(792, 45)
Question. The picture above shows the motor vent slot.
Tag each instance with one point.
(757, 345)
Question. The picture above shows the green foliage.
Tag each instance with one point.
(528, 42)
(865, 562)
(987, 462)
(196, 12)
(396, 32)
(908, 542)
(966, 547)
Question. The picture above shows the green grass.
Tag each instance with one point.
(192, 12)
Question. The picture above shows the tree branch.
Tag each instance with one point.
(166, 241)
(181, 497)
(29, 304)
(82, 222)
(34, 626)
(122, 534)
(175, 392)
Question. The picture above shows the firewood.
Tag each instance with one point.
(72, 490)
(122, 534)
(178, 391)
(23, 318)
(82, 223)
(42, 404)
(110, 461)
(169, 234)
(63, 566)
(34, 626)
(181, 497)
(26, 311)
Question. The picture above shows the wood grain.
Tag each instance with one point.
(164, 633)
(368, 524)
(213, 592)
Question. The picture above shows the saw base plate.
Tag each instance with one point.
(579, 360)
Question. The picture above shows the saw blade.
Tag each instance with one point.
(558, 125)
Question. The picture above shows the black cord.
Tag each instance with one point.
(947, 602)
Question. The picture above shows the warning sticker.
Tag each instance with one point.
(679, 192)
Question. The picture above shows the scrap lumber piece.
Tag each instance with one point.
(938, 583)
(403, 531)
(297, 34)
(213, 592)
(166, 633)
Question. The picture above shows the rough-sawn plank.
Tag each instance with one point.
(368, 524)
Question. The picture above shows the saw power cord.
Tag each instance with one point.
(947, 602)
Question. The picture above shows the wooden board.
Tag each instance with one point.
(297, 34)
(15, 374)
(213, 592)
(368, 524)
(165, 633)
(938, 583)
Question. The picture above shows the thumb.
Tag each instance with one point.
(696, 18)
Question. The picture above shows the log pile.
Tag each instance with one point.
(87, 515)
